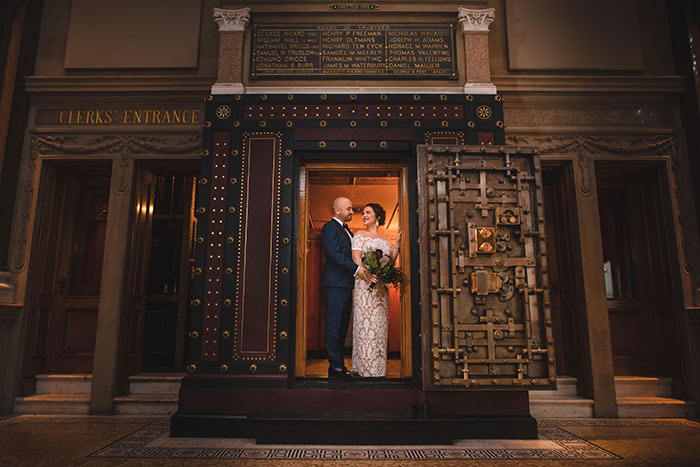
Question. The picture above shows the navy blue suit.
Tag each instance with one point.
(337, 282)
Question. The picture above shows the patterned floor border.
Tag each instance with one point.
(148, 442)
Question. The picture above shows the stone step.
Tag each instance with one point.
(51, 383)
(642, 386)
(654, 407)
(155, 383)
(53, 404)
(145, 404)
(562, 406)
(566, 386)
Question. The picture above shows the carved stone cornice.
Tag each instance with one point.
(232, 20)
(112, 144)
(476, 20)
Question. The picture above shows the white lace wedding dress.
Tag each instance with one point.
(370, 318)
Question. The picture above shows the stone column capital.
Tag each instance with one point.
(231, 20)
(476, 20)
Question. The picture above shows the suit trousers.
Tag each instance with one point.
(338, 309)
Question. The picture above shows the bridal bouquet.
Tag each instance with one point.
(385, 271)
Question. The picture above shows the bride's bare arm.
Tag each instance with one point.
(395, 249)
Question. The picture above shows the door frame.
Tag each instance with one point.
(300, 347)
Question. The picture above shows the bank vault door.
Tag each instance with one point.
(484, 294)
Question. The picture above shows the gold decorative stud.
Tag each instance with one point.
(200, 240)
(223, 112)
(498, 98)
(234, 152)
(224, 368)
(226, 334)
(263, 97)
(483, 112)
(322, 124)
(237, 97)
(283, 335)
(191, 368)
(353, 144)
(232, 209)
(204, 153)
(383, 124)
(230, 240)
(417, 123)
(290, 97)
(210, 97)
(285, 240)
(471, 124)
(201, 210)
(229, 271)
(288, 153)
(289, 123)
(202, 181)
(236, 123)
(262, 123)
(416, 97)
(323, 97)
(227, 302)
(353, 123)
(207, 124)
(233, 180)
(383, 144)
(469, 98)
(283, 368)
(196, 302)
(285, 271)
(353, 97)
(499, 124)
(197, 271)
(193, 334)
(443, 97)
(286, 210)
(253, 368)
(322, 144)
(444, 123)
(382, 97)
(287, 181)
(284, 302)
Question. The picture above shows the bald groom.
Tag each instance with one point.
(337, 282)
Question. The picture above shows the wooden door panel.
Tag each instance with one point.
(484, 286)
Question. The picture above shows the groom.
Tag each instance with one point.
(337, 282)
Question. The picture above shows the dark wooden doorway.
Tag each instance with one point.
(68, 265)
(160, 269)
(633, 205)
(564, 270)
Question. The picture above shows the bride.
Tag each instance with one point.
(371, 307)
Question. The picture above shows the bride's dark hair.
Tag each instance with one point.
(379, 212)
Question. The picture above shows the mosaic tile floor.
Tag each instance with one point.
(118, 440)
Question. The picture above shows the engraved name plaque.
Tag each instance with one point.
(425, 51)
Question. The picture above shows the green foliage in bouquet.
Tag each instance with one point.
(385, 271)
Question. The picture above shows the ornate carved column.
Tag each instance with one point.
(232, 25)
(475, 29)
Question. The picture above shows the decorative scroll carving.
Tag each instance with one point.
(476, 20)
(123, 145)
(231, 20)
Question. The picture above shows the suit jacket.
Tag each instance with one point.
(339, 269)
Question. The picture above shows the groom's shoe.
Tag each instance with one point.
(339, 373)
